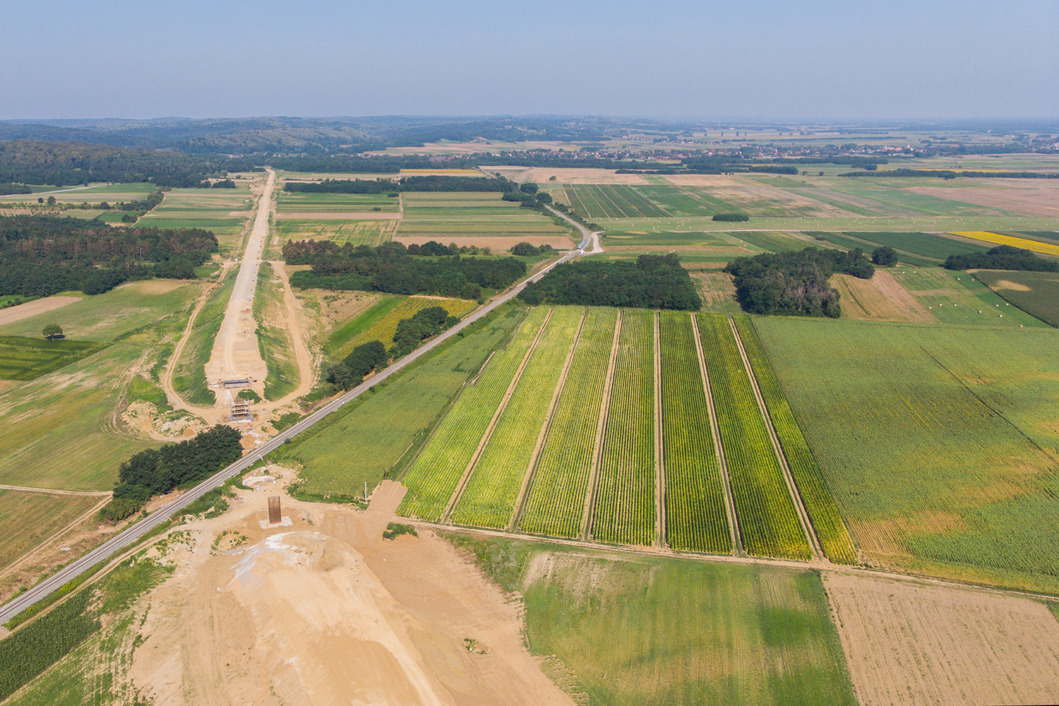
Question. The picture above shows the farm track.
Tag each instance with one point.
(52, 491)
(788, 477)
(467, 472)
(726, 481)
(43, 546)
(601, 429)
(660, 468)
(527, 483)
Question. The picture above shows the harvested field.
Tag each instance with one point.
(12, 314)
(882, 298)
(1033, 199)
(569, 175)
(909, 644)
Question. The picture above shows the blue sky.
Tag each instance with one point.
(740, 58)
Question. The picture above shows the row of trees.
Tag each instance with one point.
(651, 282)
(41, 255)
(157, 471)
(795, 283)
(1002, 257)
(391, 268)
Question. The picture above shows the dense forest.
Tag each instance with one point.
(68, 163)
(651, 282)
(1002, 257)
(795, 282)
(392, 268)
(157, 471)
(41, 255)
(410, 183)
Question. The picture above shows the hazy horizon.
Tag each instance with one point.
(938, 60)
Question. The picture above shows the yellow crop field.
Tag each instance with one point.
(384, 328)
(998, 239)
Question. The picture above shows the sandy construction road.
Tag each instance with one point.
(327, 611)
(235, 350)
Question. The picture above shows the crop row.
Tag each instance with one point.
(437, 470)
(490, 496)
(625, 507)
(695, 505)
(767, 519)
(819, 503)
(555, 505)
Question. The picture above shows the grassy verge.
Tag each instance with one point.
(189, 377)
(273, 340)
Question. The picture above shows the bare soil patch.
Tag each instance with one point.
(496, 243)
(38, 306)
(160, 286)
(908, 643)
(1013, 286)
(1031, 199)
(326, 611)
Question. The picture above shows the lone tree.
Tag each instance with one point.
(52, 331)
(884, 256)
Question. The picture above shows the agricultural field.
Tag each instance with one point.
(389, 425)
(768, 522)
(356, 232)
(496, 481)
(1036, 293)
(359, 219)
(929, 245)
(1037, 246)
(27, 519)
(273, 338)
(454, 444)
(189, 370)
(556, 501)
(960, 299)
(690, 632)
(881, 298)
(939, 444)
(625, 506)
(223, 211)
(92, 193)
(24, 358)
(445, 216)
(288, 203)
(379, 323)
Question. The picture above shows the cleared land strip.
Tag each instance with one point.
(527, 482)
(491, 492)
(660, 469)
(813, 492)
(803, 516)
(162, 515)
(768, 522)
(555, 500)
(601, 428)
(52, 491)
(715, 433)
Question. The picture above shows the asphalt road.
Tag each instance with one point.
(135, 532)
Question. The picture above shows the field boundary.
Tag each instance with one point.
(601, 428)
(488, 434)
(660, 464)
(788, 477)
(531, 469)
(718, 449)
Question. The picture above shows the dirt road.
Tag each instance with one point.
(235, 351)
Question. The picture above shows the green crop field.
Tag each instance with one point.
(388, 425)
(612, 201)
(666, 631)
(189, 372)
(939, 444)
(1036, 293)
(556, 501)
(926, 244)
(625, 503)
(372, 233)
(959, 298)
(93, 193)
(695, 507)
(24, 358)
(437, 470)
(490, 496)
(225, 212)
(770, 241)
(273, 339)
(469, 214)
(27, 519)
(302, 202)
(379, 323)
(767, 519)
(819, 503)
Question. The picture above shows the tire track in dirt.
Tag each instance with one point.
(531, 470)
(492, 423)
(601, 428)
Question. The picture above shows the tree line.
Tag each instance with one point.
(1002, 257)
(795, 283)
(392, 268)
(394, 186)
(651, 282)
(41, 255)
(950, 174)
(157, 471)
